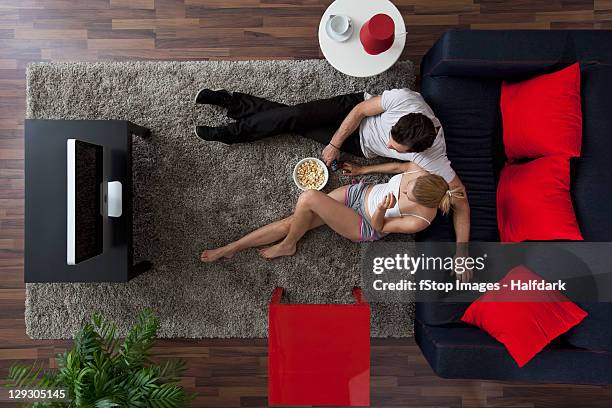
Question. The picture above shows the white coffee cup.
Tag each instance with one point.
(340, 24)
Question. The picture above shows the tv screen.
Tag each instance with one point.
(85, 172)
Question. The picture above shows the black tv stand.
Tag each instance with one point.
(45, 201)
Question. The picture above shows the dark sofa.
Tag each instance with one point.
(461, 78)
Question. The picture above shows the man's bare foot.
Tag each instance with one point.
(277, 250)
(212, 255)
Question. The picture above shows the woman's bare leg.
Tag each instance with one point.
(262, 236)
(313, 204)
(265, 235)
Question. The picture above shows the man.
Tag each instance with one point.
(397, 124)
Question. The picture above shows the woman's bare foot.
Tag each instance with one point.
(277, 250)
(212, 255)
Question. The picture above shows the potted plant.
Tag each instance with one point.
(102, 371)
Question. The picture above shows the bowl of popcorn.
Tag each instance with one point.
(310, 174)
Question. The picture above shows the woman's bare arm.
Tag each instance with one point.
(403, 225)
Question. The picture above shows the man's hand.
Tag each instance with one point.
(351, 169)
(387, 203)
(329, 154)
(461, 222)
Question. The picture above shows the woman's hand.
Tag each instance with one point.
(329, 154)
(387, 203)
(378, 218)
(351, 169)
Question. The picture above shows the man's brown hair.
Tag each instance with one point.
(415, 131)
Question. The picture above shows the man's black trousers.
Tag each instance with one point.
(257, 118)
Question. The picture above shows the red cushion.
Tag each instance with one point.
(524, 321)
(542, 116)
(534, 203)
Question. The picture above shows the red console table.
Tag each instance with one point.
(319, 354)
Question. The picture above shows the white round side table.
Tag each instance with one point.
(349, 57)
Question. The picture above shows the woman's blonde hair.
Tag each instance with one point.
(433, 191)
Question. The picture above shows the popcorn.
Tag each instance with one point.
(310, 175)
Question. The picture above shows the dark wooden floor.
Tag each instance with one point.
(232, 373)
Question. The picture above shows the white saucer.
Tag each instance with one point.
(337, 37)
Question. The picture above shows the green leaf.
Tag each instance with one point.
(167, 396)
(87, 342)
(170, 371)
(139, 340)
(22, 376)
(106, 331)
(105, 403)
(19, 373)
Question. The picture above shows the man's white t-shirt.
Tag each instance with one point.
(375, 131)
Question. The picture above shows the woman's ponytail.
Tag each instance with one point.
(448, 199)
(434, 192)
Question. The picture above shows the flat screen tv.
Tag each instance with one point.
(85, 209)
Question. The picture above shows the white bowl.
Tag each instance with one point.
(320, 163)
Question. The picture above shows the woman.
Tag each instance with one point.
(360, 212)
